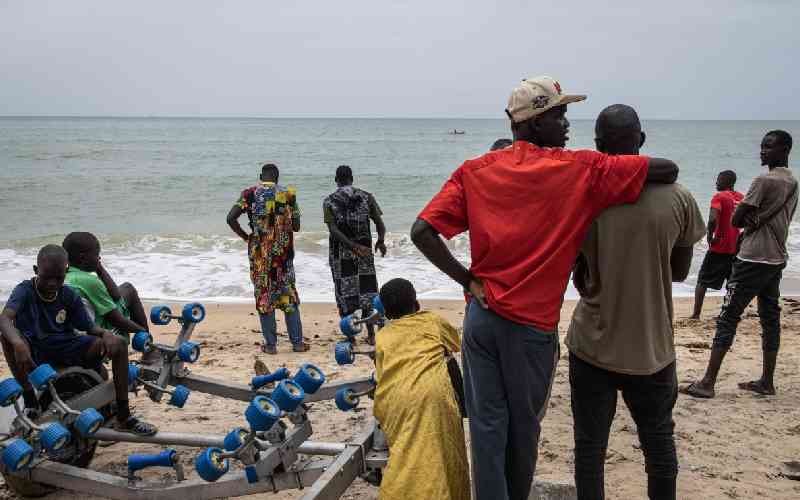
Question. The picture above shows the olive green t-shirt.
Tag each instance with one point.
(774, 195)
(623, 323)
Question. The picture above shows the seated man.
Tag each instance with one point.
(416, 403)
(118, 309)
(38, 326)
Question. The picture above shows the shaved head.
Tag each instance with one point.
(51, 254)
(618, 130)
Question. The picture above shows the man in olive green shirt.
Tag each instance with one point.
(620, 337)
(115, 308)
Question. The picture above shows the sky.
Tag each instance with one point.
(716, 59)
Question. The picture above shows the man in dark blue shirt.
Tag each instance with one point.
(39, 323)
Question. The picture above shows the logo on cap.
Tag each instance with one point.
(540, 101)
(557, 86)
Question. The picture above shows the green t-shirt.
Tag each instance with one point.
(94, 291)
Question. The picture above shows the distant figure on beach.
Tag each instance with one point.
(274, 218)
(501, 144)
(115, 308)
(415, 398)
(620, 337)
(347, 213)
(527, 216)
(722, 239)
(764, 216)
(39, 325)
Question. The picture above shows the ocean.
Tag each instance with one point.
(156, 190)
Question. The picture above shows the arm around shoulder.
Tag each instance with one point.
(662, 171)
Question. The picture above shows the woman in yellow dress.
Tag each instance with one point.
(415, 401)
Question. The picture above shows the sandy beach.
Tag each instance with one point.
(733, 446)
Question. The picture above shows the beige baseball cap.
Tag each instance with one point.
(534, 96)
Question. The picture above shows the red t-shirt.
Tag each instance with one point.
(527, 210)
(725, 202)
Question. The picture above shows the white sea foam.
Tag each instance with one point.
(216, 269)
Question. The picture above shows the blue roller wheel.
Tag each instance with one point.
(10, 390)
(41, 377)
(17, 455)
(378, 305)
(210, 465)
(343, 352)
(262, 413)
(310, 378)
(348, 326)
(235, 438)
(189, 352)
(288, 395)
(88, 422)
(54, 437)
(160, 315)
(133, 374)
(346, 399)
(194, 312)
(179, 396)
(142, 342)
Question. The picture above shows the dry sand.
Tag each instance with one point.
(733, 446)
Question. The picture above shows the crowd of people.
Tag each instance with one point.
(537, 213)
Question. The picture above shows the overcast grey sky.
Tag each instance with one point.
(716, 59)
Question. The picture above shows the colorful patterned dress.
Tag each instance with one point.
(271, 209)
(354, 279)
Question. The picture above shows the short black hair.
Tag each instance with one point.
(728, 177)
(51, 253)
(784, 138)
(616, 120)
(398, 297)
(270, 171)
(501, 144)
(343, 173)
(77, 243)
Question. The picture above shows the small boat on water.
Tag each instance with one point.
(457, 132)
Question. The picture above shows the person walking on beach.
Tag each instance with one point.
(527, 209)
(274, 218)
(722, 238)
(347, 212)
(620, 337)
(764, 216)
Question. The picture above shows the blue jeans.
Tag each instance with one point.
(269, 329)
(508, 373)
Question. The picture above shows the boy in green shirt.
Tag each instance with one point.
(116, 308)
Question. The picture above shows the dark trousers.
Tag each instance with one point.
(749, 280)
(650, 399)
(508, 373)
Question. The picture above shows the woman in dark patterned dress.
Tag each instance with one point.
(347, 213)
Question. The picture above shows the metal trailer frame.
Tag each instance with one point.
(278, 467)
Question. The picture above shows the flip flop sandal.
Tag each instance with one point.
(135, 426)
(755, 386)
(691, 390)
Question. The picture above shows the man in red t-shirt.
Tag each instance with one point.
(722, 237)
(527, 209)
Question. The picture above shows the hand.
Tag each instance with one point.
(108, 344)
(477, 291)
(22, 355)
(361, 250)
(380, 246)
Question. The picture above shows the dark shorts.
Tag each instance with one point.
(715, 270)
(63, 350)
